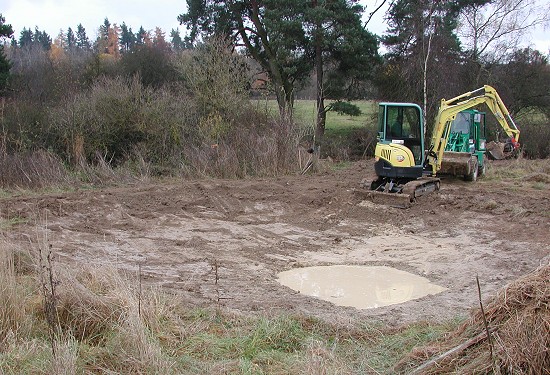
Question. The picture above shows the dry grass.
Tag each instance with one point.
(102, 309)
(14, 297)
(31, 170)
(519, 319)
(109, 323)
(259, 147)
(106, 325)
(522, 169)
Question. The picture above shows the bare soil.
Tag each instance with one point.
(224, 241)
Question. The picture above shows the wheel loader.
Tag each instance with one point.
(406, 170)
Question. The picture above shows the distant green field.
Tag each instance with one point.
(304, 113)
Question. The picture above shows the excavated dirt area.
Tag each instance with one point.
(224, 241)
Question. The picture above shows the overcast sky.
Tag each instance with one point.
(54, 15)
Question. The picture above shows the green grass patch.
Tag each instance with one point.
(8, 223)
(305, 114)
(337, 124)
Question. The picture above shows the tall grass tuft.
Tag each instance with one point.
(12, 298)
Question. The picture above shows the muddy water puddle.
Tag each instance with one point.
(358, 286)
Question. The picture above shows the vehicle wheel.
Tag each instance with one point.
(473, 173)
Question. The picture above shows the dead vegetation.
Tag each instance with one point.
(31, 170)
(105, 324)
(518, 317)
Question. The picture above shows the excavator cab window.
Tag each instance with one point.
(403, 123)
(480, 118)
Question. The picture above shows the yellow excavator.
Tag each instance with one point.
(458, 146)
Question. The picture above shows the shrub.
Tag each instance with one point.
(258, 146)
(106, 120)
(534, 138)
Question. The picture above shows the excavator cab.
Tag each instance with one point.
(399, 150)
(400, 157)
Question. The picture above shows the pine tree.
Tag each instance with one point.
(70, 40)
(102, 42)
(177, 42)
(287, 37)
(82, 40)
(42, 38)
(127, 38)
(141, 36)
(6, 31)
(26, 37)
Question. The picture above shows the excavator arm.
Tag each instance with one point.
(448, 111)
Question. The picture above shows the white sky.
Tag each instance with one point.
(54, 15)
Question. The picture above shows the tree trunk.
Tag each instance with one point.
(321, 113)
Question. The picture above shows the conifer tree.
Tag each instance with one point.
(70, 40)
(82, 41)
(6, 31)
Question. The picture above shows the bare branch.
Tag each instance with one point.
(371, 14)
(496, 28)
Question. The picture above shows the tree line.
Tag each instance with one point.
(120, 39)
(118, 95)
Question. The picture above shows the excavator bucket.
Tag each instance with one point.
(496, 150)
(456, 163)
(397, 200)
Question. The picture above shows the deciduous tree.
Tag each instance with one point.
(271, 31)
(492, 29)
(159, 40)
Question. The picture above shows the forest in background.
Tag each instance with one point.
(182, 107)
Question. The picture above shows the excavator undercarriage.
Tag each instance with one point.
(396, 192)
